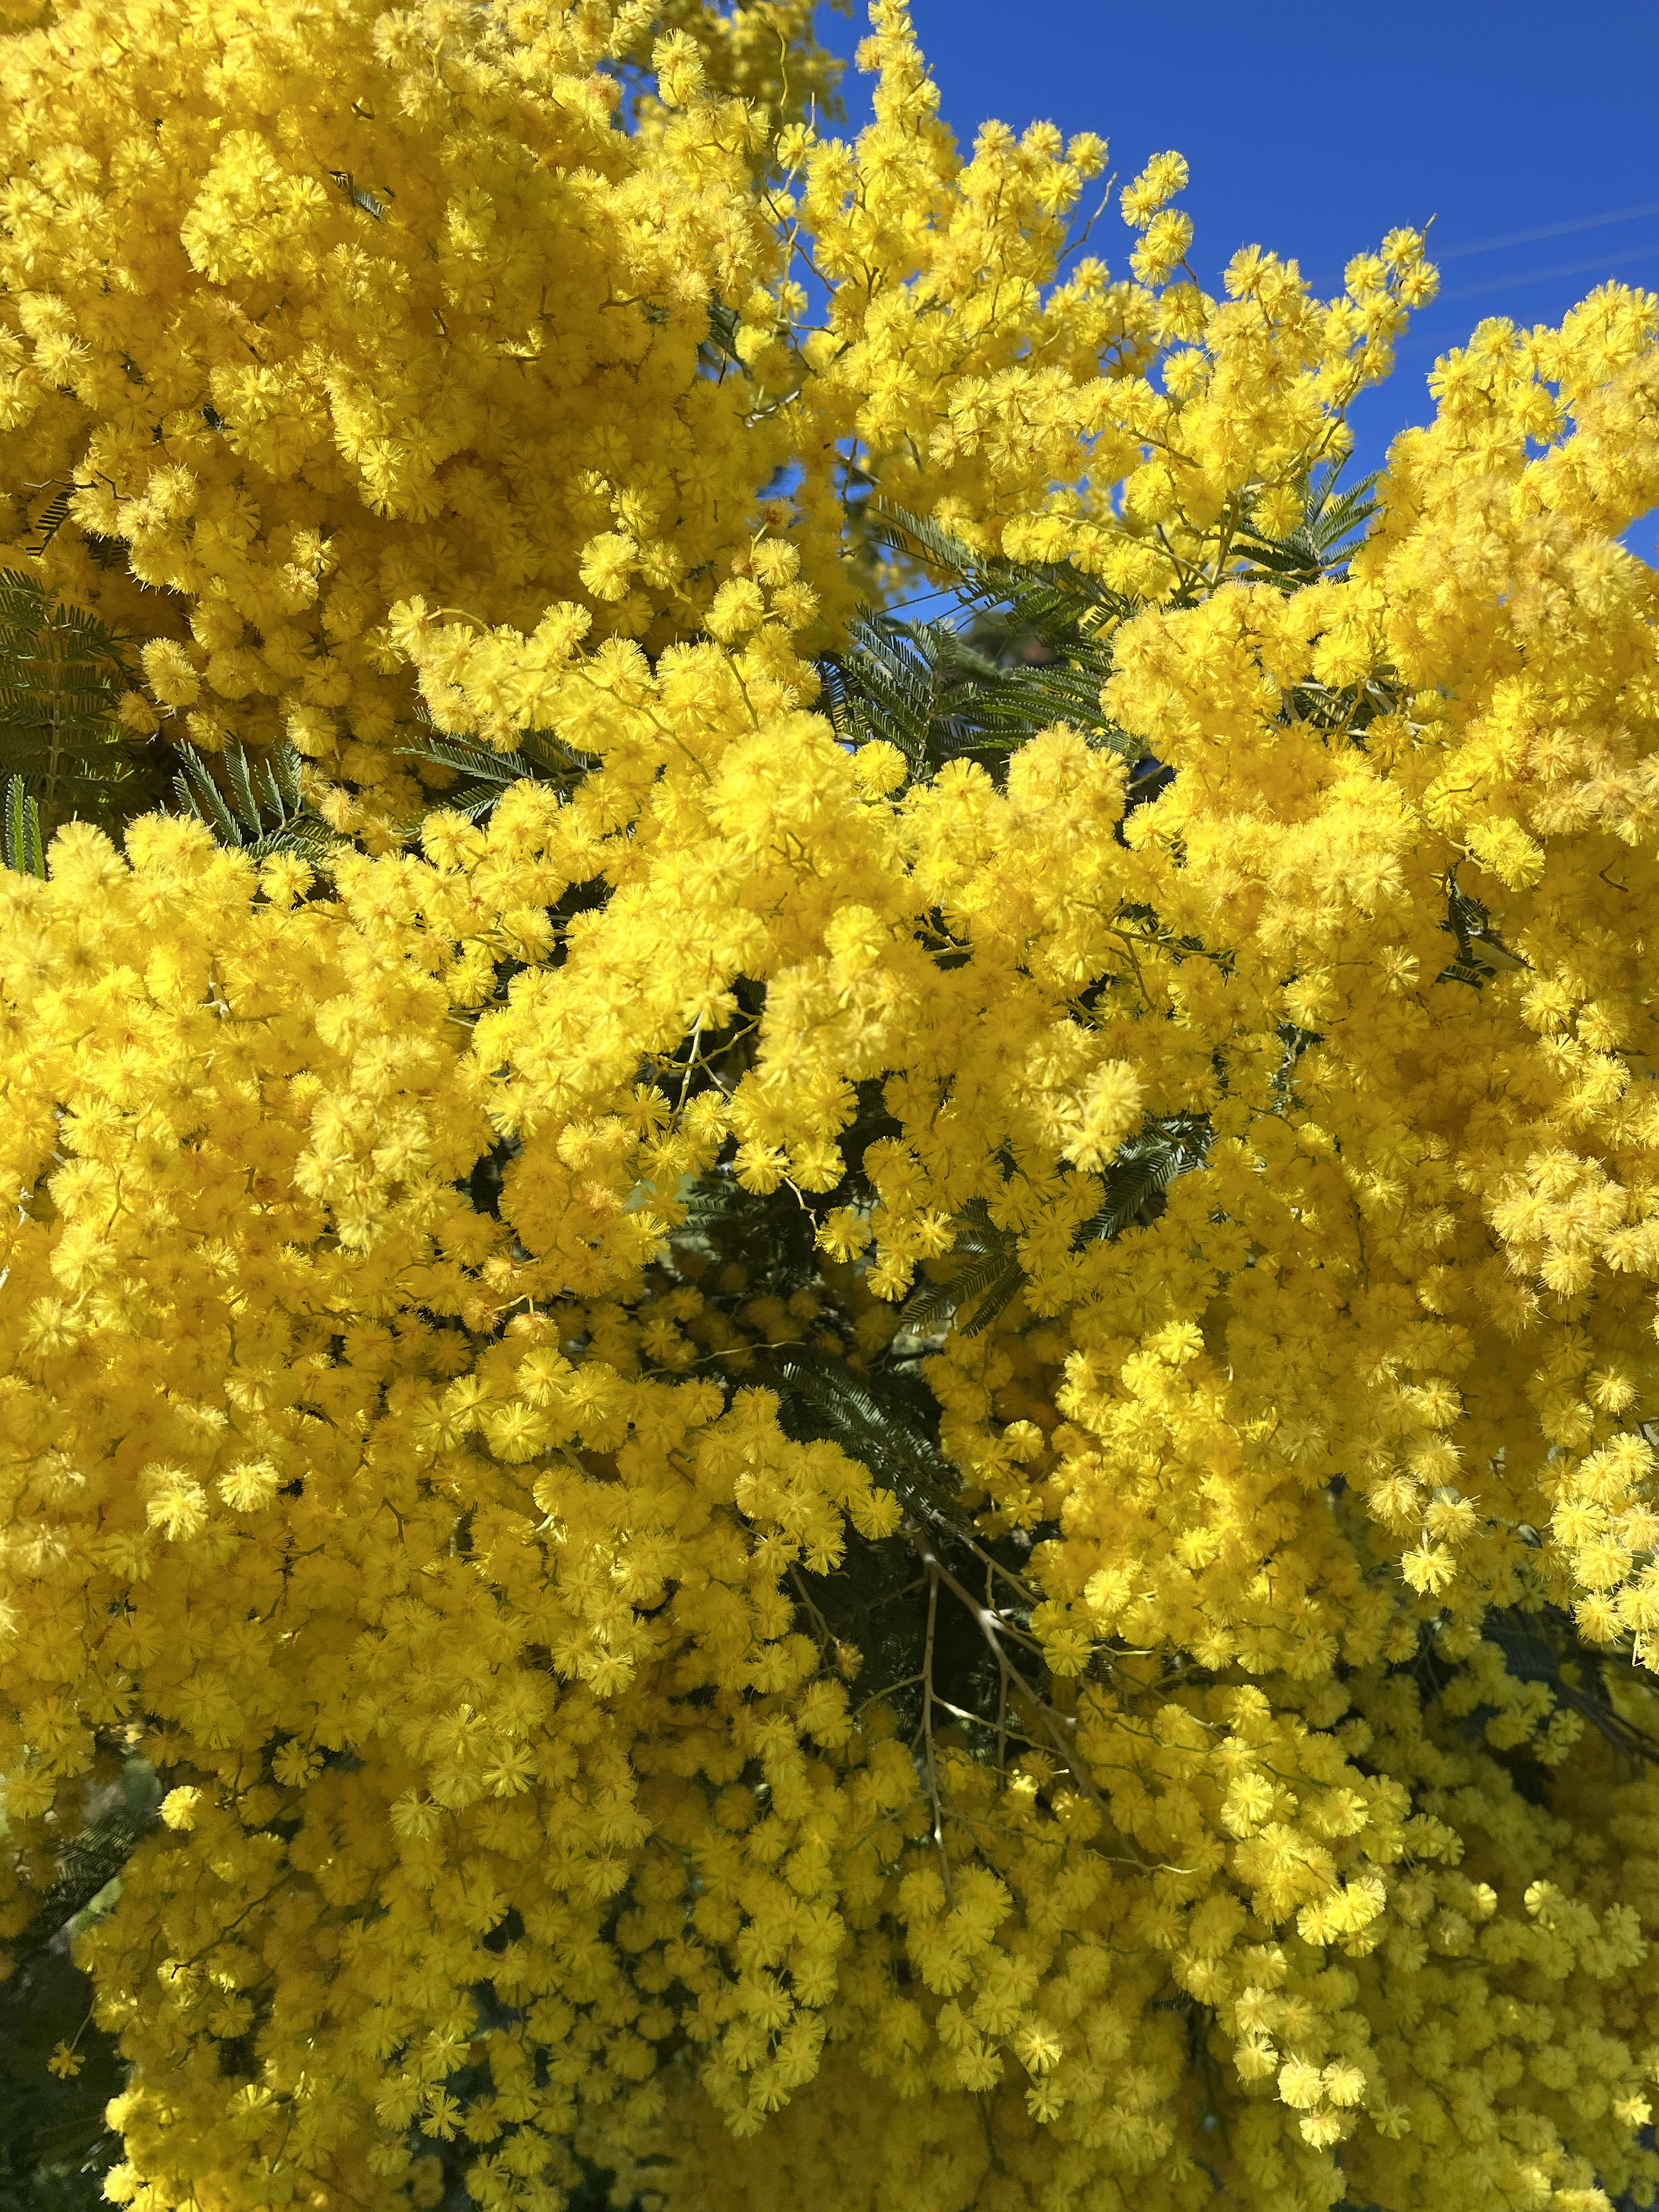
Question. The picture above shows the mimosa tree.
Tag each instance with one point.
(822, 1406)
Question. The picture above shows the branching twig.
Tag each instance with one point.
(992, 1628)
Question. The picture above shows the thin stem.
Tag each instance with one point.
(927, 1702)
(991, 1628)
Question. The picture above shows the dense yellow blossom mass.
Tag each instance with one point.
(446, 1548)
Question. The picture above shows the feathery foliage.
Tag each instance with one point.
(63, 673)
(944, 689)
(20, 828)
(1331, 529)
(253, 805)
(484, 773)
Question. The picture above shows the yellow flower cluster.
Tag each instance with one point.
(366, 306)
(313, 308)
(450, 1553)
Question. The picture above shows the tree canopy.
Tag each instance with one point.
(799, 1399)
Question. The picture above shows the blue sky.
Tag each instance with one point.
(1313, 130)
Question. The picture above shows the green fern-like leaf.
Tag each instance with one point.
(1147, 1164)
(876, 1422)
(721, 346)
(361, 196)
(990, 1275)
(62, 673)
(941, 691)
(987, 1281)
(485, 774)
(22, 830)
(86, 1864)
(1544, 1646)
(1322, 544)
(768, 1237)
(1481, 952)
(254, 805)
